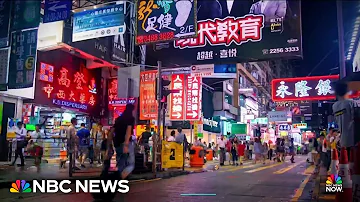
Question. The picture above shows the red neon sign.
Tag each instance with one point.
(177, 99)
(193, 98)
(46, 72)
(303, 88)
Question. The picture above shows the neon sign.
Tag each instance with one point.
(303, 88)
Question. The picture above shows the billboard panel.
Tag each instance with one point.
(303, 88)
(165, 20)
(236, 31)
(148, 103)
(105, 21)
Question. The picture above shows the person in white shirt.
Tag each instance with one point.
(221, 143)
(20, 143)
(171, 138)
(38, 136)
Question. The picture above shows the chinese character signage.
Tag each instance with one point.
(112, 90)
(300, 125)
(303, 88)
(56, 10)
(5, 9)
(101, 22)
(185, 104)
(227, 30)
(4, 67)
(26, 14)
(22, 59)
(278, 116)
(177, 99)
(64, 81)
(165, 20)
(148, 102)
(193, 98)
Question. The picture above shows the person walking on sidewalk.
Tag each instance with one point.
(251, 149)
(258, 150)
(234, 151)
(84, 143)
(222, 143)
(120, 136)
(265, 152)
(20, 143)
(241, 152)
(292, 149)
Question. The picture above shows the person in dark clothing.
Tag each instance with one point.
(234, 151)
(144, 141)
(120, 136)
(222, 9)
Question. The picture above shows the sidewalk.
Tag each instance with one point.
(8, 174)
(319, 193)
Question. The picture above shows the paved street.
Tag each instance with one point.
(274, 182)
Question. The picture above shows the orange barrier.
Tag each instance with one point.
(209, 154)
(63, 154)
(196, 156)
(334, 170)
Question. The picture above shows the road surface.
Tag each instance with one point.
(273, 182)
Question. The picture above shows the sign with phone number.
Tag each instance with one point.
(172, 155)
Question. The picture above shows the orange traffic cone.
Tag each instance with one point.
(334, 169)
(344, 173)
(356, 175)
(351, 162)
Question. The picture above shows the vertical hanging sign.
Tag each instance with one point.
(193, 98)
(177, 99)
(22, 59)
(4, 68)
(26, 14)
(148, 103)
(5, 10)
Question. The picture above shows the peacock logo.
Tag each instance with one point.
(333, 179)
(334, 184)
(20, 186)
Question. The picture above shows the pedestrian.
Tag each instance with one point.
(38, 142)
(21, 143)
(84, 143)
(270, 153)
(144, 141)
(221, 143)
(251, 149)
(258, 150)
(292, 150)
(265, 152)
(104, 145)
(228, 150)
(120, 136)
(234, 151)
(241, 152)
(171, 138)
(72, 145)
(97, 135)
(346, 113)
(181, 138)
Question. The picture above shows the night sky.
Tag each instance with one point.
(319, 29)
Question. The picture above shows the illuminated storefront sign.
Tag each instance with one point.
(186, 104)
(165, 20)
(64, 81)
(148, 102)
(300, 125)
(177, 99)
(303, 88)
(227, 32)
(261, 121)
(193, 98)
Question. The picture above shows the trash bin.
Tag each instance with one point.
(197, 156)
(209, 154)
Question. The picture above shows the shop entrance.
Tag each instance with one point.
(8, 112)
